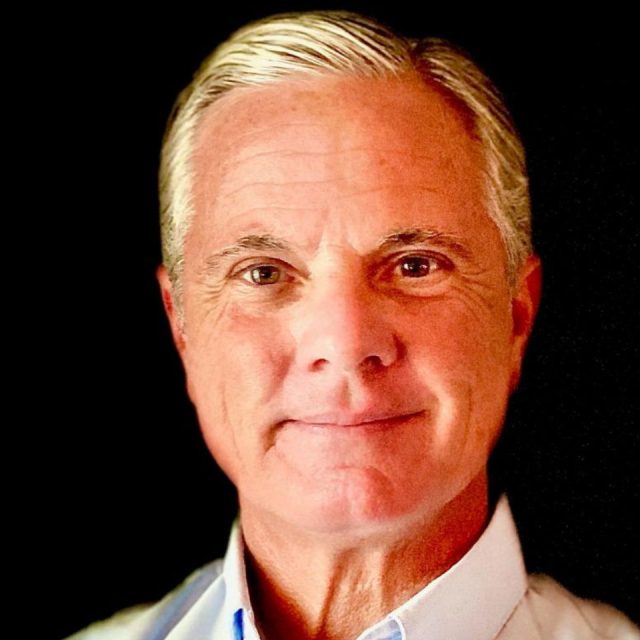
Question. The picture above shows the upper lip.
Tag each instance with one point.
(347, 419)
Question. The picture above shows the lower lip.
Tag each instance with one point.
(374, 425)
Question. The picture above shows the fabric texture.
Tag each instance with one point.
(486, 595)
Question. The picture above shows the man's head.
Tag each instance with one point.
(348, 270)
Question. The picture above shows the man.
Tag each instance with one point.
(350, 282)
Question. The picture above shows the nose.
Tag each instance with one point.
(342, 328)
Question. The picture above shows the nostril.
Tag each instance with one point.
(319, 365)
(372, 362)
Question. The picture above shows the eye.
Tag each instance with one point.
(416, 273)
(419, 266)
(262, 274)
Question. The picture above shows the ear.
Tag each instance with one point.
(166, 289)
(524, 306)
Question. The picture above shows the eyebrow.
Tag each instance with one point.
(253, 242)
(396, 239)
(399, 238)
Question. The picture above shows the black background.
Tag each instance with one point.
(127, 501)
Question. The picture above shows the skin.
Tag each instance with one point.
(351, 369)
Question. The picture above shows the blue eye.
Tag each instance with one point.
(263, 274)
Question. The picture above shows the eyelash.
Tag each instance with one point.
(441, 262)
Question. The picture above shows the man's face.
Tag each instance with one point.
(350, 338)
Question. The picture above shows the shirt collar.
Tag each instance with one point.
(472, 600)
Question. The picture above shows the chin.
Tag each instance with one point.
(352, 504)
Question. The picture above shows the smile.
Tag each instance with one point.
(345, 422)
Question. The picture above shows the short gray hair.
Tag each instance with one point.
(340, 42)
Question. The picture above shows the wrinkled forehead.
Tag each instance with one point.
(324, 115)
(418, 114)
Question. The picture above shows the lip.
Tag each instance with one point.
(366, 419)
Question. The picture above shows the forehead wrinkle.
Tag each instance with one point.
(239, 159)
(219, 137)
(387, 187)
(285, 153)
(287, 183)
(234, 169)
(273, 187)
(355, 192)
(229, 168)
(216, 138)
(267, 207)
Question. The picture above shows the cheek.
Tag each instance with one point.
(237, 352)
(256, 349)
(234, 364)
(462, 353)
(472, 338)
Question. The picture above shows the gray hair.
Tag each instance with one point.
(340, 42)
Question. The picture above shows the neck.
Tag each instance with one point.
(306, 586)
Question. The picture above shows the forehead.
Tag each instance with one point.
(311, 144)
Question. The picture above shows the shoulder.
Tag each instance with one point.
(551, 611)
(138, 622)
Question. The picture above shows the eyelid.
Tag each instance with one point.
(239, 270)
(257, 261)
(443, 261)
(388, 276)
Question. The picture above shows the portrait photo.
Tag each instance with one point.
(352, 301)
